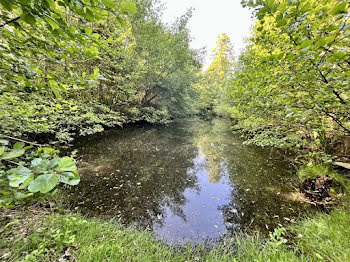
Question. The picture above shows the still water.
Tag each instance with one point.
(188, 181)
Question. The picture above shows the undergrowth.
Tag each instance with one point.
(60, 237)
(313, 170)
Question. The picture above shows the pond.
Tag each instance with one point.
(191, 180)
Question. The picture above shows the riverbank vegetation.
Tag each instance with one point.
(50, 236)
(289, 88)
(75, 68)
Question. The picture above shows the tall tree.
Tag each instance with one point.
(215, 82)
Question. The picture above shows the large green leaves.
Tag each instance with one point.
(129, 7)
(44, 183)
(2, 150)
(29, 19)
(41, 174)
(13, 154)
(17, 151)
(70, 178)
(20, 176)
(66, 164)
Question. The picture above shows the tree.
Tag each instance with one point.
(291, 84)
(215, 82)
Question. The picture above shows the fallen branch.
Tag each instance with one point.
(21, 140)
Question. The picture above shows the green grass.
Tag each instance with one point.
(322, 237)
(93, 240)
(327, 237)
(314, 170)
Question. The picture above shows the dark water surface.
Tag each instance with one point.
(190, 180)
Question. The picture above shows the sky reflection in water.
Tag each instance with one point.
(187, 181)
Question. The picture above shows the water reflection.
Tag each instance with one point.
(190, 180)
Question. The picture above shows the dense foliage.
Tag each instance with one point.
(216, 81)
(291, 85)
(75, 67)
(34, 170)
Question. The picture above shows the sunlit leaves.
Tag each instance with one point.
(20, 175)
(339, 8)
(294, 75)
(281, 22)
(66, 164)
(109, 3)
(2, 150)
(38, 31)
(306, 43)
(70, 178)
(129, 7)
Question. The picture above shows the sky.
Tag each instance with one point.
(211, 18)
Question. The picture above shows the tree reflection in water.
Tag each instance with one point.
(190, 180)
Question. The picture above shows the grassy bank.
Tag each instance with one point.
(62, 237)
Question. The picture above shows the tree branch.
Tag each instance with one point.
(10, 21)
(21, 140)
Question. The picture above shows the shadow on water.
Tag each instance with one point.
(190, 180)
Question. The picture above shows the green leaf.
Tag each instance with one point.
(89, 15)
(339, 8)
(306, 43)
(70, 178)
(4, 142)
(56, 92)
(44, 165)
(19, 175)
(52, 23)
(2, 150)
(339, 55)
(330, 39)
(66, 164)
(44, 183)
(21, 179)
(27, 181)
(109, 4)
(28, 18)
(41, 166)
(88, 30)
(13, 154)
(18, 145)
(281, 22)
(6, 4)
(321, 42)
(53, 163)
(20, 195)
(36, 162)
(129, 7)
(270, 2)
(52, 4)
(121, 21)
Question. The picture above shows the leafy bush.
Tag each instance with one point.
(290, 85)
(25, 172)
